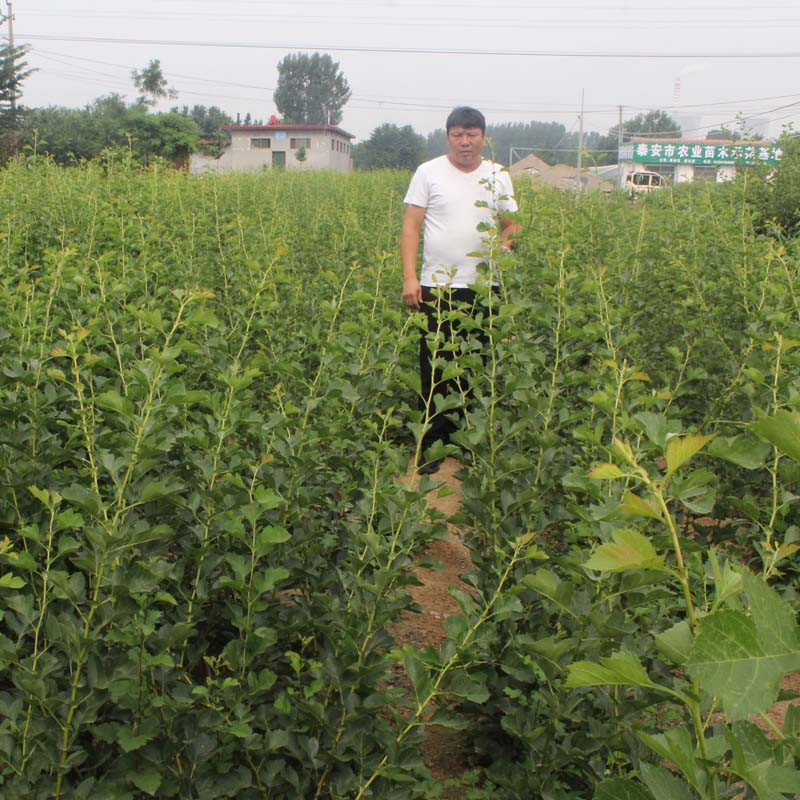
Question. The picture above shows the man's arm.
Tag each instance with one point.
(409, 246)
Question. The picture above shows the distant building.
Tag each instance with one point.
(529, 165)
(562, 176)
(253, 148)
(682, 160)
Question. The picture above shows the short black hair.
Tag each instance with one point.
(465, 117)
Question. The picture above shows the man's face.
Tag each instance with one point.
(464, 146)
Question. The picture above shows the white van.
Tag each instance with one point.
(640, 182)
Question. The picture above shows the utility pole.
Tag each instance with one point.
(619, 148)
(580, 145)
(11, 46)
(9, 18)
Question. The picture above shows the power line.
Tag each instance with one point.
(405, 50)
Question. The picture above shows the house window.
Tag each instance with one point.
(296, 144)
(262, 143)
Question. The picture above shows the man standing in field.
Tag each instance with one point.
(448, 199)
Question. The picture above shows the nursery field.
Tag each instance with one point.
(209, 403)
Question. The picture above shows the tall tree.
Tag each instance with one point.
(656, 124)
(13, 71)
(391, 147)
(210, 119)
(152, 84)
(311, 89)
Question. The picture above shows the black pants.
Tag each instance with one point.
(448, 336)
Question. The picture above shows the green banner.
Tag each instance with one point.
(727, 153)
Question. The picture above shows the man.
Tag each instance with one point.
(448, 200)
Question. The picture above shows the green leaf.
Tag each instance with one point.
(462, 685)
(271, 535)
(621, 789)
(638, 506)
(240, 729)
(147, 780)
(630, 550)
(10, 581)
(681, 449)
(606, 471)
(752, 760)
(153, 490)
(265, 580)
(114, 401)
(623, 669)
(675, 643)
(741, 658)
(783, 430)
(655, 427)
(676, 746)
(128, 742)
(548, 584)
(746, 452)
(663, 784)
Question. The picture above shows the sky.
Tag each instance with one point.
(408, 62)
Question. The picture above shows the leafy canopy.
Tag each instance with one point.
(391, 147)
(311, 89)
(12, 73)
(72, 134)
(152, 84)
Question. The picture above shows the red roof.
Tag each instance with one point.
(291, 128)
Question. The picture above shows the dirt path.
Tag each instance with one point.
(443, 750)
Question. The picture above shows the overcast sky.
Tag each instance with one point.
(517, 60)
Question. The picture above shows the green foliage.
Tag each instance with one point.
(152, 84)
(311, 89)
(776, 196)
(70, 135)
(654, 123)
(13, 72)
(208, 392)
(390, 147)
(551, 141)
(210, 119)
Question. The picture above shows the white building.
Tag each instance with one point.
(681, 160)
(253, 148)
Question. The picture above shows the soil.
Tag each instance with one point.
(444, 750)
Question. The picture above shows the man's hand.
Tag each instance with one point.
(409, 244)
(412, 293)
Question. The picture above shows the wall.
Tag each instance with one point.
(241, 157)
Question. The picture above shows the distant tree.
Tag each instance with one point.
(391, 147)
(210, 119)
(776, 196)
(724, 133)
(12, 73)
(169, 136)
(653, 123)
(71, 135)
(311, 89)
(549, 140)
(656, 124)
(152, 84)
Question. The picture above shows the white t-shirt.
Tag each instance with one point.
(448, 196)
